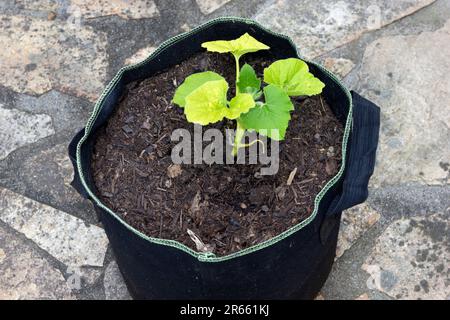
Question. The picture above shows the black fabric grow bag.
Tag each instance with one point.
(293, 265)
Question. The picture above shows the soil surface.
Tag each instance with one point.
(225, 208)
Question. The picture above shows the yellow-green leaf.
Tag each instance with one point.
(208, 103)
(240, 104)
(272, 117)
(238, 47)
(191, 83)
(293, 76)
(248, 80)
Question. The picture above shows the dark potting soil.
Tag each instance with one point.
(228, 207)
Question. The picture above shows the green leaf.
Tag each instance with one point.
(293, 76)
(238, 47)
(248, 81)
(273, 114)
(240, 104)
(191, 83)
(208, 103)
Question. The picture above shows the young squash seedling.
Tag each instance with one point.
(204, 95)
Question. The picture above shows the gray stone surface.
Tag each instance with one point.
(27, 275)
(408, 199)
(140, 55)
(19, 128)
(65, 237)
(50, 172)
(115, 287)
(407, 76)
(364, 296)
(209, 6)
(127, 9)
(68, 113)
(43, 172)
(34, 60)
(82, 277)
(50, 5)
(411, 259)
(339, 66)
(354, 223)
(318, 26)
(348, 280)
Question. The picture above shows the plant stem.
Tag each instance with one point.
(236, 58)
(240, 131)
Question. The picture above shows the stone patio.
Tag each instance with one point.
(57, 55)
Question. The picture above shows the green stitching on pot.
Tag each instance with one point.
(205, 257)
(210, 257)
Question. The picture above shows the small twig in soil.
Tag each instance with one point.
(162, 137)
(289, 157)
(295, 195)
(306, 181)
(140, 173)
(200, 245)
(176, 218)
(220, 242)
(113, 182)
(288, 208)
(166, 103)
(291, 176)
(321, 103)
(320, 113)
(181, 220)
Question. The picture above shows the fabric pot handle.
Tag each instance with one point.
(362, 147)
(72, 149)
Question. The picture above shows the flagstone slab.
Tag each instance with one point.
(25, 274)
(68, 113)
(140, 55)
(50, 173)
(18, 128)
(209, 6)
(67, 238)
(115, 287)
(318, 26)
(354, 223)
(79, 278)
(407, 76)
(411, 259)
(45, 175)
(50, 5)
(364, 296)
(127, 9)
(39, 55)
(58, 162)
(339, 66)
